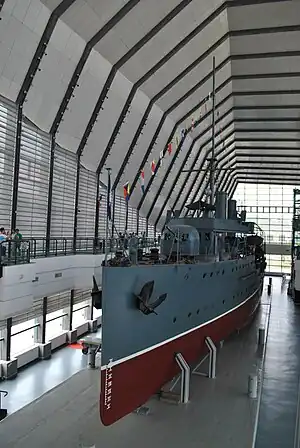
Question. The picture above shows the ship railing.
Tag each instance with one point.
(24, 251)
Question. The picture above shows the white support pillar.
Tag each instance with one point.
(212, 357)
(252, 386)
(185, 378)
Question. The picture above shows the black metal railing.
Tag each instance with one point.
(20, 252)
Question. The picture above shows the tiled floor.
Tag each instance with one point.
(220, 414)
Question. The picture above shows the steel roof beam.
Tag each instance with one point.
(117, 66)
(261, 139)
(226, 155)
(239, 139)
(190, 92)
(33, 68)
(41, 48)
(209, 19)
(84, 57)
(177, 152)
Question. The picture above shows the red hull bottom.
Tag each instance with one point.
(128, 385)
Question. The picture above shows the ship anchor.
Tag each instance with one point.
(143, 299)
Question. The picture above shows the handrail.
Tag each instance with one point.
(22, 252)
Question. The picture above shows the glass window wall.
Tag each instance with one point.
(22, 337)
(271, 207)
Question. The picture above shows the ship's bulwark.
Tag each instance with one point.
(213, 299)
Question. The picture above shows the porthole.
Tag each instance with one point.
(211, 274)
(223, 302)
(198, 311)
(223, 272)
(232, 269)
(174, 320)
(189, 315)
(204, 275)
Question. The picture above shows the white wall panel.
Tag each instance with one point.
(168, 38)
(133, 27)
(127, 131)
(86, 203)
(83, 16)
(102, 130)
(63, 195)
(201, 93)
(32, 202)
(271, 100)
(195, 76)
(186, 56)
(270, 113)
(102, 212)
(268, 65)
(120, 212)
(268, 84)
(8, 125)
(263, 43)
(22, 24)
(82, 104)
(56, 69)
(264, 15)
(132, 220)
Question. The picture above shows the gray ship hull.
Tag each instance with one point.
(209, 299)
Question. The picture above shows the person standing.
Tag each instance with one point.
(17, 238)
(2, 241)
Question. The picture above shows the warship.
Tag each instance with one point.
(205, 280)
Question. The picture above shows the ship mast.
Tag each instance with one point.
(212, 165)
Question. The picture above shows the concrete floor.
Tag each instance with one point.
(220, 414)
(35, 380)
(278, 420)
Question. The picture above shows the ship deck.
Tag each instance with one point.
(220, 414)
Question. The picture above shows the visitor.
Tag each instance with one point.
(2, 242)
(17, 238)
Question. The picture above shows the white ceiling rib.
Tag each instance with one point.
(260, 81)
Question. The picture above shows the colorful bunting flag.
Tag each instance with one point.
(153, 166)
(170, 148)
(143, 181)
(193, 125)
(126, 189)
